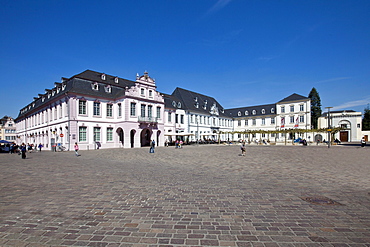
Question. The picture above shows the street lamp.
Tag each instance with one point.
(329, 127)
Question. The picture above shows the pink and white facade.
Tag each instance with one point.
(96, 111)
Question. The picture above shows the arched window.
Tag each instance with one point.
(246, 113)
(239, 113)
(254, 112)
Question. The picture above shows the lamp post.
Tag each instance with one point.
(329, 127)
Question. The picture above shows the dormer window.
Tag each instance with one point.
(239, 113)
(173, 103)
(103, 77)
(49, 95)
(58, 89)
(272, 110)
(246, 113)
(197, 105)
(43, 99)
(263, 111)
(108, 89)
(95, 86)
(179, 105)
(254, 112)
(63, 87)
(53, 93)
(196, 99)
(116, 79)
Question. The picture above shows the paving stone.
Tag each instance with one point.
(198, 196)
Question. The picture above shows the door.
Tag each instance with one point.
(344, 136)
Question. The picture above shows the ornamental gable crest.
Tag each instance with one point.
(214, 109)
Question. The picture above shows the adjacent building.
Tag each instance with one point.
(292, 112)
(7, 129)
(350, 121)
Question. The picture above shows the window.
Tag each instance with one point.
(103, 77)
(239, 113)
(150, 110)
(358, 126)
(150, 93)
(119, 109)
(272, 110)
(82, 134)
(82, 107)
(263, 121)
(177, 118)
(182, 119)
(169, 117)
(60, 111)
(142, 92)
(191, 118)
(283, 109)
(291, 119)
(95, 86)
(109, 134)
(292, 108)
(246, 113)
(108, 89)
(301, 107)
(254, 112)
(133, 109)
(301, 119)
(239, 123)
(273, 120)
(263, 111)
(142, 110)
(109, 110)
(96, 109)
(97, 134)
(246, 122)
(116, 80)
(55, 113)
(254, 121)
(158, 112)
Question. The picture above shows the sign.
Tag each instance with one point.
(61, 135)
(329, 130)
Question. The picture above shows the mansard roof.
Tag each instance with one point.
(198, 103)
(294, 97)
(251, 111)
(108, 87)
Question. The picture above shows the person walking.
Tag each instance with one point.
(40, 147)
(363, 142)
(243, 148)
(23, 150)
(152, 146)
(76, 149)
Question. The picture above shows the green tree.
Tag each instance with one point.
(366, 119)
(315, 107)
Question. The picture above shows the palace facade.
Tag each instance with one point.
(97, 110)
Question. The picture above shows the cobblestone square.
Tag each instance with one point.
(195, 196)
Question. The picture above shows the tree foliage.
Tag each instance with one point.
(366, 119)
(315, 107)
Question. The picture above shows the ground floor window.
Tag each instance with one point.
(109, 134)
(97, 134)
(82, 134)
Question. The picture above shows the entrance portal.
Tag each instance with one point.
(145, 137)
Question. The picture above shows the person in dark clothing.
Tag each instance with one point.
(23, 150)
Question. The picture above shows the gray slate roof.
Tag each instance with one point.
(190, 100)
(294, 97)
(260, 110)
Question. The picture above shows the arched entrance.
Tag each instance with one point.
(120, 135)
(132, 138)
(145, 137)
(158, 135)
(318, 137)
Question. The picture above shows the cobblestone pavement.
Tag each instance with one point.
(195, 196)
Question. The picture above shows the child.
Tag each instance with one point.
(76, 149)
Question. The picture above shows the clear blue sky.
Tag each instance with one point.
(241, 52)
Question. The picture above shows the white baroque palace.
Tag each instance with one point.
(97, 110)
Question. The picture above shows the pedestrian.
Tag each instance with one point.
(40, 147)
(166, 143)
(76, 149)
(363, 142)
(177, 144)
(152, 146)
(180, 143)
(12, 148)
(23, 150)
(242, 147)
